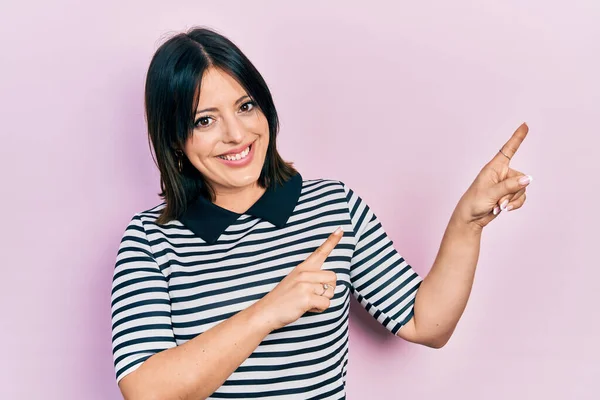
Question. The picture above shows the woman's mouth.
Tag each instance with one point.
(238, 156)
(240, 159)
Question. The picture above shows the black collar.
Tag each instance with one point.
(276, 205)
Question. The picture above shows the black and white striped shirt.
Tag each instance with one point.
(173, 282)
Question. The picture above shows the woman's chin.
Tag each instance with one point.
(238, 180)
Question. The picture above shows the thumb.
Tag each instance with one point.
(511, 185)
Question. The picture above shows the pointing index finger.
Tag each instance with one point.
(511, 147)
(318, 257)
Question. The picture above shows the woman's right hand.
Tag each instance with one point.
(300, 291)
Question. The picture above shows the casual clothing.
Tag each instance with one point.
(173, 282)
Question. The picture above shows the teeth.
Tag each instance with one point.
(235, 157)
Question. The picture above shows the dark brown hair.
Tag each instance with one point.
(171, 98)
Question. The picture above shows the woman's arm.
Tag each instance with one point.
(443, 294)
(198, 367)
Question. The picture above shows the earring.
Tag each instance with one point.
(179, 154)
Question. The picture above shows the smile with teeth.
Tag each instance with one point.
(238, 156)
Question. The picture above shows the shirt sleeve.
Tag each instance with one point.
(140, 303)
(382, 280)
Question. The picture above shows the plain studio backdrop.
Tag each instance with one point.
(404, 101)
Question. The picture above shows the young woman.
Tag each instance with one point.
(238, 284)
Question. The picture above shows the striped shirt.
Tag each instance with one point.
(173, 282)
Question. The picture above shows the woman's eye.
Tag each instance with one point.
(203, 121)
(247, 106)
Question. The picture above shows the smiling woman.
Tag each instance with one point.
(230, 140)
(235, 285)
(206, 105)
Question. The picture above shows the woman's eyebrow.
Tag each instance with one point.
(213, 109)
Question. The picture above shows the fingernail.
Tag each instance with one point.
(338, 231)
(503, 205)
(524, 180)
(509, 208)
(496, 210)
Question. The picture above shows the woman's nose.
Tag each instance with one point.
(234, 131)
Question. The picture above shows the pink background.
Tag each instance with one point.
(404, 101)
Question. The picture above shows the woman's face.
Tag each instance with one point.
(231, 135)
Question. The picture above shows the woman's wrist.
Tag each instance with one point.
(260, 319)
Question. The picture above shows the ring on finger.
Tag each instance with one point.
(325, 287)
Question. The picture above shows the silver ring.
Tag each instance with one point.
(504, 154)
(325, 287)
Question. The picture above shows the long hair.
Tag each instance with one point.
(171, 98)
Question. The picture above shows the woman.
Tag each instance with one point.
(235, 286)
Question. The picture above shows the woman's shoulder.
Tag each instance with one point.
(310, 184)
(150, 213)
(154, 211)
(334, 187)
(147, 216)
(329, 188)
(321, 181)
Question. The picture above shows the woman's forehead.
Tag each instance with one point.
(217, 86)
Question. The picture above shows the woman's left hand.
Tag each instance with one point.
(497, 187)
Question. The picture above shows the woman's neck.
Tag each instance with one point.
(238, 200)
